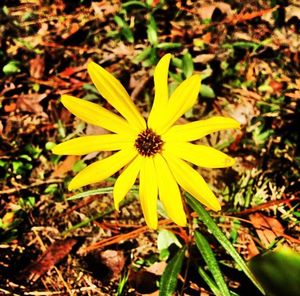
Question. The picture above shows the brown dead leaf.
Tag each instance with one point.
(95, 130)
(114, 261)
(37, 67)
(72, 29)
(103, 9)
(157, 268)
(267, 228)
(242, 17)
(31, 103)
(65, 166)
(252, 249)
(55, 253)
(144, 282)
(206, 38)
(206, 12)
(204, 58)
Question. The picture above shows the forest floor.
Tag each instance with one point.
(249, 54)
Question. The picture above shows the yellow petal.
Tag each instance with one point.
(113, 91)
(169, 192)
(191, 181)
(95, 114)
(103, 169)
(181, 100)
(195, 130)
(199, 155)
(87, 144)
(126, 180)
(161, 92)
(148, 191)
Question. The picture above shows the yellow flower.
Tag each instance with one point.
(157, 151)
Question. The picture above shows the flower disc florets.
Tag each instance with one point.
(148, 143)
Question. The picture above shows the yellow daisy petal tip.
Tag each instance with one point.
(152, 225)
(117, 205)
(181, 222)
(54, 149)
(72, 185)
(238, 124)
(217, 207)
(57, 150)
(229, 161)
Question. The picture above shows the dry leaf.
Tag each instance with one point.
(114, 261)
(65, 166)
(144, 282)
(55, 253)
(37, 67)
(267, 228)
(206, 12)
(157, 268)
(31, 103)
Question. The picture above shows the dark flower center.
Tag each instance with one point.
(148, 143)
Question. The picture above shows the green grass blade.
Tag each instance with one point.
(168, 280)
(99, 215)
(209, 258)
(209, 281)
(220, 236)
(91, 192)
(95, 192)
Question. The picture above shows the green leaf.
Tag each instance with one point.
(207, 92)
(168, 280)
(165, 239)
(120, 22)
(209, 281)
(95, 192)
(125, 29)
(122, 284)
(134, 3)
(209, 258)
(142, 55)
(51, 189)
(49, 145)
(220, 236)
(169, 45)
(12, 67)
(278, 272)
(187, 65)
(127, 33)
(152, 31)
(5, 10)
(78, 166)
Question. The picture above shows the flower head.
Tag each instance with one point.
(157, 151)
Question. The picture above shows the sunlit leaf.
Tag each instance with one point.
(168, 280)
(278, 272)
(220, 236)
(187, 65)
(152, 31)
(210, 260)
(206, 91)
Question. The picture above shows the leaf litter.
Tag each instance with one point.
(251, 50)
